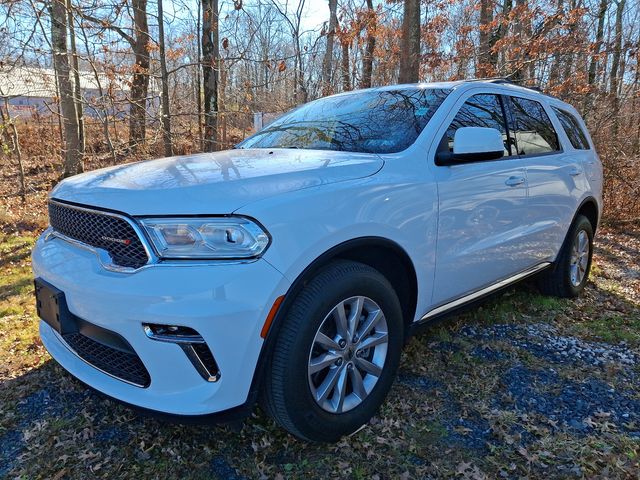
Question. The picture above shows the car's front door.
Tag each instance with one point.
(482, 209)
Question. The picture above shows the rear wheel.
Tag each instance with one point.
(570, 273)
(336, 354)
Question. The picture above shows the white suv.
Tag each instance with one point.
(293, 268)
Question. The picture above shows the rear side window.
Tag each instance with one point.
(572, 128)
(483, 110)
(533, 129)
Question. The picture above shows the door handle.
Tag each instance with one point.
(575, 171)
(514, 181)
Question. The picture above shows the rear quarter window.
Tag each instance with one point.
(572, 128)
(533, 129)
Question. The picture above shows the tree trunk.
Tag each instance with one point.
(199, 78)
(615, 65)
(617, 48)
(7, 122)
(140, 81)
(410, 46)
(166, 112)
(500, 32)
(328, 54)
(486, 63)
(367, 59)
(346, 75)
(593, 66)
(72, 145)
(521, 68)
(301, 89)
(77, 92)
(210, 57)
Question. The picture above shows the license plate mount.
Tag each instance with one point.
(51, 306)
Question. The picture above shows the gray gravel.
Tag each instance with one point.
(543, 340)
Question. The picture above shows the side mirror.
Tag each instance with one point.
(472, 144)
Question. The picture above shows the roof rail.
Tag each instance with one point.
(514, 82)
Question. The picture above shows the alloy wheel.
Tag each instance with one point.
(348, 354)
(579, 258)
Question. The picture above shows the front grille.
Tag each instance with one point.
(123, 365)
(101, 230)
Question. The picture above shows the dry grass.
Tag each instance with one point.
(467, 404)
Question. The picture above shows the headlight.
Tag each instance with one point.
(213, 237)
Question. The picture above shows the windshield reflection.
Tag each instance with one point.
(373, 121)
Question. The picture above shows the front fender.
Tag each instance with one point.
(307, 223)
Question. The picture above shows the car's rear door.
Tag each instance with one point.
(482, 208)
(555, 174)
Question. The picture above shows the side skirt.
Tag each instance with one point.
(470, 299)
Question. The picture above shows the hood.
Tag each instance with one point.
(212, 183)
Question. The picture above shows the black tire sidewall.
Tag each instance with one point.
(305, 413)
(581, 224)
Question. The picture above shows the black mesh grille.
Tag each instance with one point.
(113, 234)
(123, 365)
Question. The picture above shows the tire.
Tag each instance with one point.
(561, 280)
(290, 389)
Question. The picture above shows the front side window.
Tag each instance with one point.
(533, 129)
(386, 121)
(573, 130)
(483, 110)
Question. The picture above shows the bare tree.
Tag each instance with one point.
(615, 63)
(210, 67)
(140, 81)
(294, 26)
(139, 43)
(486, 57)
(8, 129)
(164, 77)
(199, 76)
(346, 74)
(617, 48)
(593, 66)
(410, 45)
(367, 59)
(77, 92)
(73, 144)
(328, 54)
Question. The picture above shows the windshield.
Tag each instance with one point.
(371, 121)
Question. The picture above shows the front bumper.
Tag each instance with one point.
(226, 303)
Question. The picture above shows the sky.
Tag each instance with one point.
(316, 12)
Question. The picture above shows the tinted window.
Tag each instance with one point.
(572, 128)
(385, 121)
(482, 110)
(533, 129)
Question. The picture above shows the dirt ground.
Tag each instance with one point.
(522, 386)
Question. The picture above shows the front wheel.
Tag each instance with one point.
(570, 273)
(336, 354)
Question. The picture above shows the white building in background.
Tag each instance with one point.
(32, 90)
